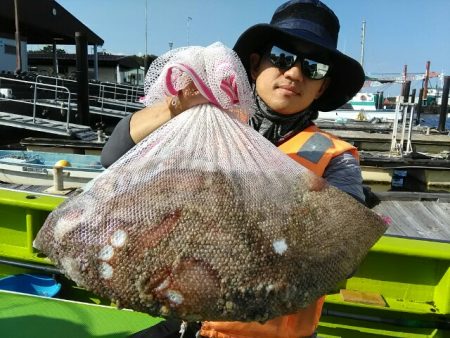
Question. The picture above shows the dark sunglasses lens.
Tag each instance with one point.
(282, 59)
(310, 68)
(314, 70)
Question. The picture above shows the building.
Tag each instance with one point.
(39, 22)
(8, 54)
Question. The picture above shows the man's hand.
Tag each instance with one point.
(147, 120)
(187, 98)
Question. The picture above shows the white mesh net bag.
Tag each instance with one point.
(215, 70)
(205, 219)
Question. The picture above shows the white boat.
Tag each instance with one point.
(37, 168)
(365, 101)
(363, 107)
(343, 115)
(434, 96)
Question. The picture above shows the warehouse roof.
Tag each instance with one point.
(43, 22)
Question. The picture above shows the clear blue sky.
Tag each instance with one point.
(398, 32)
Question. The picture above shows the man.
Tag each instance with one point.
(295, 69)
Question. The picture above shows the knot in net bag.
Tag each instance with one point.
(205, 219)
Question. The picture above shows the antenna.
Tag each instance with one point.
(188, 24)
(363, 41)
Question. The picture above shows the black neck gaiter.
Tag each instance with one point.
(278, 127)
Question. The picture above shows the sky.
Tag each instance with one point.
(397, 32)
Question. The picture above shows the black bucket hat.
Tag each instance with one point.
(307, 24)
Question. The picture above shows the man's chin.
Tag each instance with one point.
(289, 110)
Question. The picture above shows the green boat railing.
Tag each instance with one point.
(22, 215)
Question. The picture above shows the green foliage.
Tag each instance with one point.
(49, 49)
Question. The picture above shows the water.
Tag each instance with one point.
(433, 121)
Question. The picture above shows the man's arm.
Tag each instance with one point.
(344, 173)
(133, 129)
(118, 143)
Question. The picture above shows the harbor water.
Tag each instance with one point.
(433, 121)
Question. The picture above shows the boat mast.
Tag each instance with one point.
(363, 41)
(425, 82)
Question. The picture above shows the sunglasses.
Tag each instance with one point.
(312, 69)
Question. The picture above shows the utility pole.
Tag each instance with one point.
(363, 41)
(145, 56)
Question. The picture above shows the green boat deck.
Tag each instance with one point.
(410, 276)
(30, 316)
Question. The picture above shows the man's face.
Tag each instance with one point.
(286, 91)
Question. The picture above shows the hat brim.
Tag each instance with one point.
(347, 76)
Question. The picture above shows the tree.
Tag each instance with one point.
(48, 49)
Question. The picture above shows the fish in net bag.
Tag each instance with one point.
(205, 219)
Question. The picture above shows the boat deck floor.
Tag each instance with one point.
(38, 189)
(373, 135)
(417, 160)
(383, 127)
(417, 215)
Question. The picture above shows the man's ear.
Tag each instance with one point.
(326, 82)
(255, 60)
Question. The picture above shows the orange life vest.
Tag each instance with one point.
(314, 149)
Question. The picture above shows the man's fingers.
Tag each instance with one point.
(185, 99)
(190, 90)
(190, 96)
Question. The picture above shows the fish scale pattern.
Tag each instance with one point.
(207, 220)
